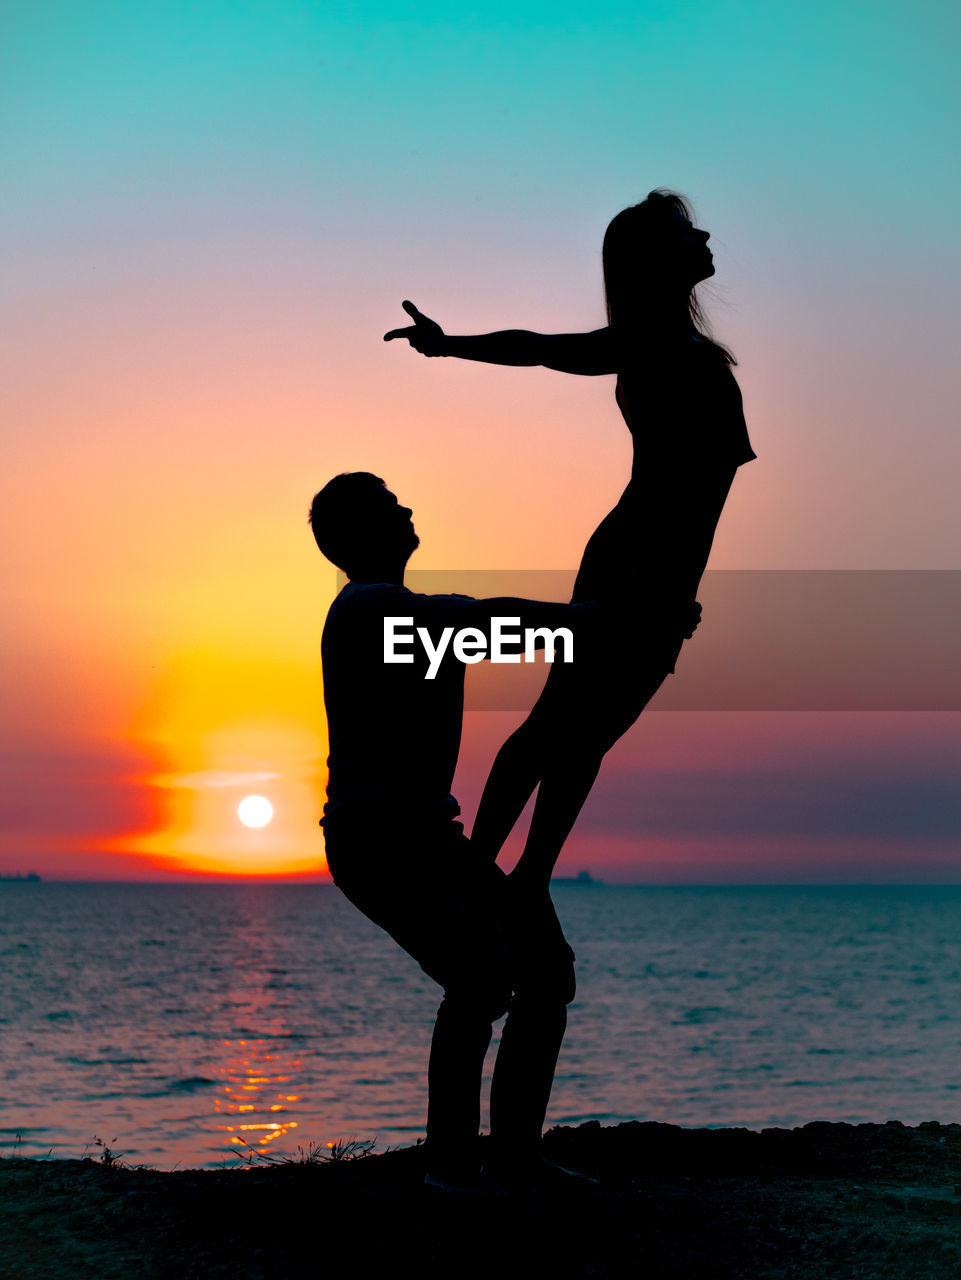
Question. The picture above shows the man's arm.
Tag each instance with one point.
(627, 618)
(543, 615)
(588, 354)
(501, 614)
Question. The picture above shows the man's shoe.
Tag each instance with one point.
(460, 1180)
(535, 1175)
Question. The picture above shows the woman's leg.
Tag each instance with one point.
(570, 762)
(560, 746)
(518, 767)
(511, 782)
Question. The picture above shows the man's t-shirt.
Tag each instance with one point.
(394, 735)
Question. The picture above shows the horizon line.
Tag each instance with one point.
(598, 883)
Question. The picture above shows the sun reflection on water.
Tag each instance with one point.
(254, 1100)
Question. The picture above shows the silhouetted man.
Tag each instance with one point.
(396, 850)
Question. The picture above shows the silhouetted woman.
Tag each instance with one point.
(682, 406)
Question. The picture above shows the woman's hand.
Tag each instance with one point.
(424, 335)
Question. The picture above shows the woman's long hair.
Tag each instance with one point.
(637, 279)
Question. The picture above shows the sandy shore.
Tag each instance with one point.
(832, 1201)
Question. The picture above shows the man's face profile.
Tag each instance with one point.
(390, 526)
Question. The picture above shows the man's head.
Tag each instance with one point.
(361, 527)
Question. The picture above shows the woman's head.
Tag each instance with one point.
(653, 257)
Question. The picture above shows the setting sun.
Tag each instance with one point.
(255, 811)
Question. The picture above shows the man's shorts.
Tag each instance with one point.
(453, 912)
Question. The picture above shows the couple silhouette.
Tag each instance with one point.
(394, 846)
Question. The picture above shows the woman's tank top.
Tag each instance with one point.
(683, 408)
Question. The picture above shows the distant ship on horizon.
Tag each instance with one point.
(13, 877)
(583, 879)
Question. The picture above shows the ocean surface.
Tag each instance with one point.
(196, 1025)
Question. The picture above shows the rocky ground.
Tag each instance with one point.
(827, 1201)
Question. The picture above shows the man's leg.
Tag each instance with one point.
(472, 962)
(524, 1075)
(462, 1035)
(532, 1035)
(442, 906)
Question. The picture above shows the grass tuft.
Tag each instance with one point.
(109, 1158)
(339, 1152)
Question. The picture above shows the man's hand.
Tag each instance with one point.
(424, 335)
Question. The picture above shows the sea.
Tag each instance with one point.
(210, 1025)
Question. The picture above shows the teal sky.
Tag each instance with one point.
(337, 99)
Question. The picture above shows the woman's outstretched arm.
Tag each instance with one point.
(583, 353)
